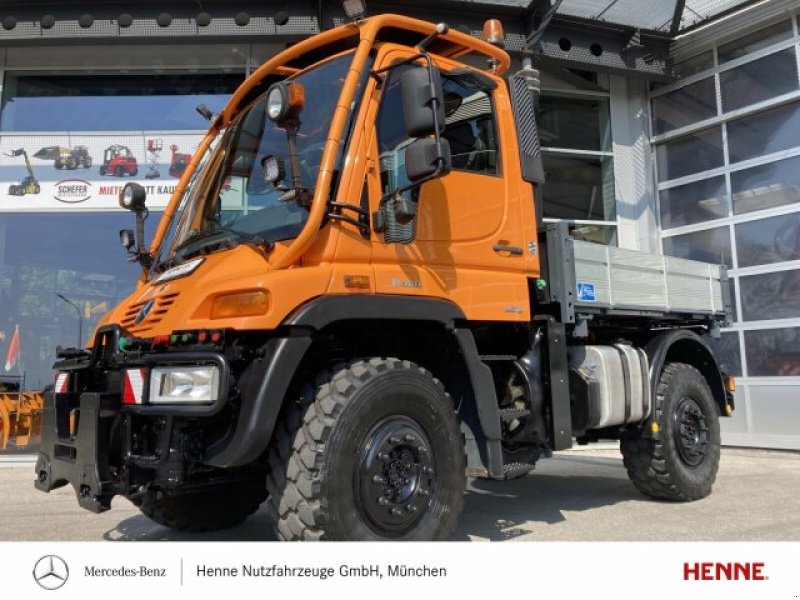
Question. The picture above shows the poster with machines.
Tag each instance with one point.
(73, 171)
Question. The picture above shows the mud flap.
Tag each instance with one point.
(76, 431)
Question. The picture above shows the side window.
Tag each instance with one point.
(470, 127)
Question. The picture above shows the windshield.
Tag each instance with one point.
(237, 201)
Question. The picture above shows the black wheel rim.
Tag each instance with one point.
(395, 479)
(690, 430)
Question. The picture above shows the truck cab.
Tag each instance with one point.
(351, 303)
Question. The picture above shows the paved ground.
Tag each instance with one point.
(582, 495)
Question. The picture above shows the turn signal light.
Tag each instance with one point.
(730, 383)
(241, 304)
(493, 33)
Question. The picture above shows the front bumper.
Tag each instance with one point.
(103, 448)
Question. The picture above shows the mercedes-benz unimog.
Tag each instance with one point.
(352, 303)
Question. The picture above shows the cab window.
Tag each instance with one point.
(470, 128)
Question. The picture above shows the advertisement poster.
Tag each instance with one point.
(86, 171)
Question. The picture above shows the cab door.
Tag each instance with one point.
(467, 240)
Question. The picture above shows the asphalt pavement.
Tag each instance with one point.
(578, 496)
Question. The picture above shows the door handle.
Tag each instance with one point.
(513, 250)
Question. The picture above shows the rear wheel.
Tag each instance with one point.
(372, 452)
(207, 510)
(681, 463)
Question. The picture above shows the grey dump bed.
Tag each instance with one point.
(606, 279)
(619, 278)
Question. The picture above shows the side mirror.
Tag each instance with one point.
(127, 239)
(419, 93)
(426, 158)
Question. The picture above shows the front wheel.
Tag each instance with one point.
(372, 452)
(681, 463)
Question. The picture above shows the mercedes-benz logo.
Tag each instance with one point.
(50, 572)
(145, 310)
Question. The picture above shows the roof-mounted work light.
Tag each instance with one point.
(354, 9)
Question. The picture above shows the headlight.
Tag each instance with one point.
(132, 196)
(273, 169)
(185, 384)
(275, 103)
(285, 101)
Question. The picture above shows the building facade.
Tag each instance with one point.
(676, 133)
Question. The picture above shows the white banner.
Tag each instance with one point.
(85, 171)
(395, 570)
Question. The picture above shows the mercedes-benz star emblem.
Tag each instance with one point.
(51, 572)
(145, 310)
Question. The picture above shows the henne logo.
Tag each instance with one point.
(50, 572)
(730, 571)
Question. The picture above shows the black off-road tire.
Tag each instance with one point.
(667, 468)
(383, 416)
(208, 510)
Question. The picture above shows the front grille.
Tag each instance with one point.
(161, 308)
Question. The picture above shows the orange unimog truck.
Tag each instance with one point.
(351, 304)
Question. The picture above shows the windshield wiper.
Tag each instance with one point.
(217, 235)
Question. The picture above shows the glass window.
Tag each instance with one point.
(759, 80)
(727, 351)
(766, 241)
(79, 102)
(576, 123)
(766, 186)
(693, 203)
(469, 128)
(684, 106)
(710, 245)
(690, 154)
(763, 133)
(755, 41)
(76, 255)
(770, 296)
(773, 352)
(579, 187)
(693, 65)
(240, 201)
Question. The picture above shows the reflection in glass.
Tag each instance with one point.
(77, 255)
(575, 123)
(755, 41)
(766, 241)
(759, 80)
(79, 102)
(773, 352)
(599, 234)
(684, 106)
(710, 245)
(690, 154)
(763, 133)
(727, 351)
(766, 186)
(693, 65)
(579, 187)
(693, 203)
(771, 296)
